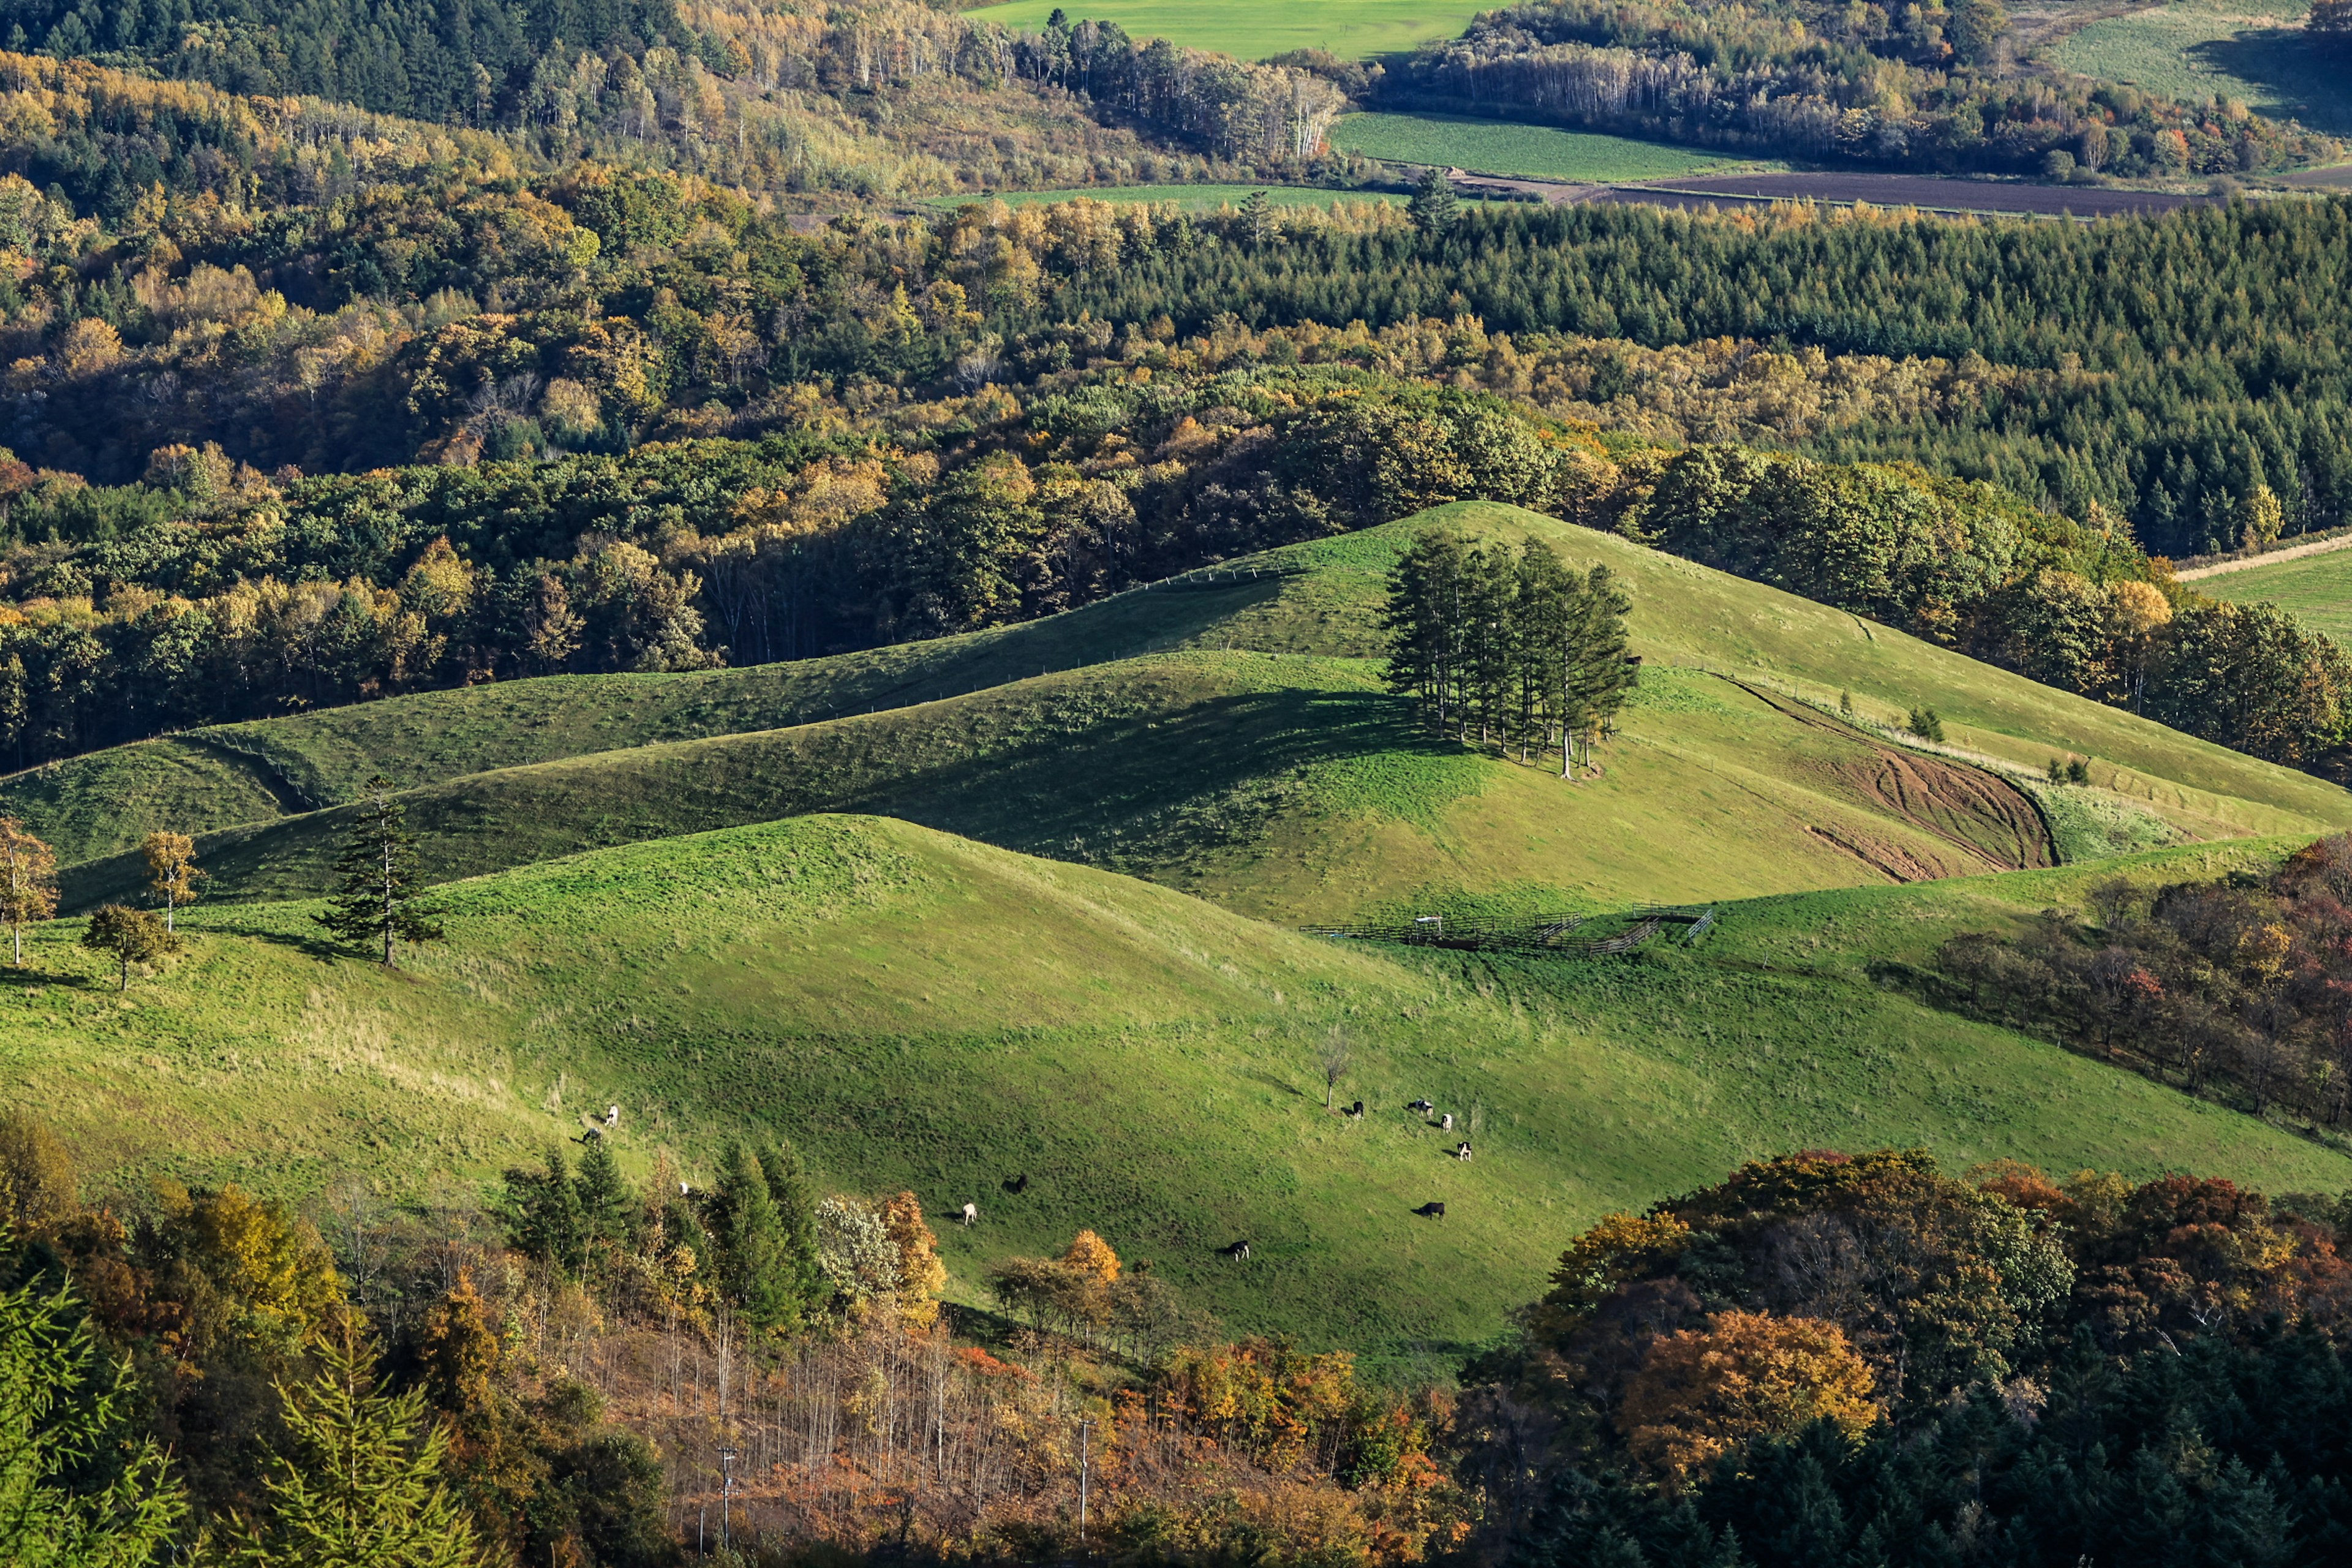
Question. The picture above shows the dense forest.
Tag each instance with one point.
(1929, 87)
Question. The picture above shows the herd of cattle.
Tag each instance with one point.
(1239, 1251)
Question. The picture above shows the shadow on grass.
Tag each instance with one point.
(2309, 80)
(1134, 790)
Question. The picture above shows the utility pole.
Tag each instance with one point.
(726, 1494)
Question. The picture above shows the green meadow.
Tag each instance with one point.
(1027, 900)
(1527, 152)
(2317, 588)
(2201, 50)
(918, 1011)
(1352, 29)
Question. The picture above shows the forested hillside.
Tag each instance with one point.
(1920, 86)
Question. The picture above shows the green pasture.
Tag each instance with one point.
(1525, 151)
(1191, 198)
(2317, 588)
(2199, 50)
(916, 1011)
(1352, 29)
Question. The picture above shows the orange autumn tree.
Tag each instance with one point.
(1700, 1393)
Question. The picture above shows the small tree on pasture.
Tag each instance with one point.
(380, 878)
(28, 882)
(128, 936)
(172, 871)
(1333, 1059)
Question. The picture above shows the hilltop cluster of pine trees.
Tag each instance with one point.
(1514, 647)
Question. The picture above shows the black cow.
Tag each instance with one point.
(1354, 1112)
(1431, 1211)
(1421, 1107)
(1238, 1251)
(1018, 1185)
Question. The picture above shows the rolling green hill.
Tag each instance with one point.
(920, 1011)
(1261, 765)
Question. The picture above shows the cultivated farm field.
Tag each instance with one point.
(1527, 152)
(2198, 51)
(1352, 29)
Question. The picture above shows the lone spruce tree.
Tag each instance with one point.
(377, 896)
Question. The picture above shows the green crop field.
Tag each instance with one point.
(918, 1011)
(2199, 50)
(2317, 588)
(1352, 29)
(1528, 152)
(1191, 198)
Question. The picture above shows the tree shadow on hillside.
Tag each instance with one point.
(1159, 788)
(2307, 79)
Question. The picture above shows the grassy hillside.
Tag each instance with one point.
(1532, 152)
(2201, 50)
(920, 1011)
(1261, 765)
(1352, 29)
(1290, 787)
(2317, 588)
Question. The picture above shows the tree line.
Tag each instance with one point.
(2230, 988)
(1516, 644)
(568, 1377)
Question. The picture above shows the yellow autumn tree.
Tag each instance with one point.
(1091, 1256)
(172, 871)
(921, 1275)
(1747, 1374)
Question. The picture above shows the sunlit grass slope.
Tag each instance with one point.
(2317, 588)
(1282, 785)
(1260, 764)
(918, 1011)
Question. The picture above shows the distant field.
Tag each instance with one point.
(1353, 29)
(1528, 151)
(2196, 50)
(2317, 588)
(1192, 198)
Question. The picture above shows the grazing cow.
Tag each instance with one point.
(1446, 1121)
(1018, 1185)
(1432, 1210)
(685, 1191)
(970, 1213)
(1238, 1251)
(1462, 1153)
(594, 1135)
(611, 1116)
(1421, 1107)
(1354, 1112)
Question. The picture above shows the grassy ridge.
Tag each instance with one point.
(1270, 773)
(1285, 786)
(920, 1011)
(1528, 151)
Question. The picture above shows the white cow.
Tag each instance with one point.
(970, 1213)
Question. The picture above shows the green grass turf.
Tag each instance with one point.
(918, 1011)
(1191, 198)
(2317, 588)
(1529, 152)
(1352, 29)
(1260, 765)
(2197, 50)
